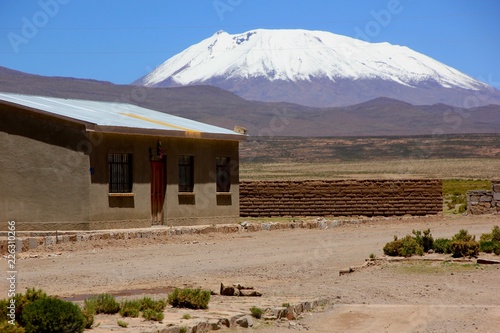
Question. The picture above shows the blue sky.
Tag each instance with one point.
(122, 40)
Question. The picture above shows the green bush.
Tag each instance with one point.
(6, 327)
(424, 239)
(156, 305)
(21, 301)
(150, 314)
(487, 246)
(464, 248)
(53, 315)
(393, 248)
(405, 247)
(442, 245)
(122, 323)
(104, 303)
(411, 247)
(490, 242)
(189, 298)
(464, 244)
(89, 312)
(256, 312)
(130, 308)
(495, 234)
(463, 235)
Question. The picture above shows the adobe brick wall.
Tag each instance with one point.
(484, 202)
(340, 197)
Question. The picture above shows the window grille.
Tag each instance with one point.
(186, 173)
(223, 172)
(120, 173)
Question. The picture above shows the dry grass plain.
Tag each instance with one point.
(457, 168)
(470, 156)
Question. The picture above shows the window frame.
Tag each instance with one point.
(120, 173)
(223, 172)
(186, 173)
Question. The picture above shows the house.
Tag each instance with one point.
(81, 165)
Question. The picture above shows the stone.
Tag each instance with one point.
(249, 293)
(228, 290)
(214, 324)
(33, 243)
(290, 313)
(224, 322)
(245, 321)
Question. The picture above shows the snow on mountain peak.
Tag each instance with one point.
(300, 55)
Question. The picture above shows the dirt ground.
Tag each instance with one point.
(287, 266)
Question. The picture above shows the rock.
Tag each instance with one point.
(245, 321)
(249, 293)
(224, 322)
(238, 290)
(228, 290)
(214, 324)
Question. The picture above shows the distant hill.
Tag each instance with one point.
(379, 117)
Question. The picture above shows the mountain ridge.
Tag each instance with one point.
(212, 105)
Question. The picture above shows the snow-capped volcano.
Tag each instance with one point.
(314, 68)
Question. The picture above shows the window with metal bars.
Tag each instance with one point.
(223, 172)
(186, 173)
(120, 173)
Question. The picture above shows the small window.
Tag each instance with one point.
(120, 173)
(186, 173)
(223, 171)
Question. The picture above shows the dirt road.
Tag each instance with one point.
(291, 264)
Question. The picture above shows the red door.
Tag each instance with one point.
(158, 189)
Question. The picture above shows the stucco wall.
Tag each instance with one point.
(44, 178)
(54, 176)
(203, 206)
(340, 198)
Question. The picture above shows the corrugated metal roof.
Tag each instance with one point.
(118, 117)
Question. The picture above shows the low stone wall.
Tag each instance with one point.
(341, 198)
(483, 201)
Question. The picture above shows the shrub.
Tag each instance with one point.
(53, 315)
(186, 316)
(463, 235)
(6, 327)
(189, 298)
(21, 301)
(405, 247)
(442, 245)
(104, 303)
(495, 234)
(183, 329)
(122, 323)
(411, 247)
(464, 245)
(393, 248)
(89, 312)
(150, 314)
(487, 246)
(464, 248)
(491, 242)
(256, 312)
(130, 308)
(424, 239)
(149, 303)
